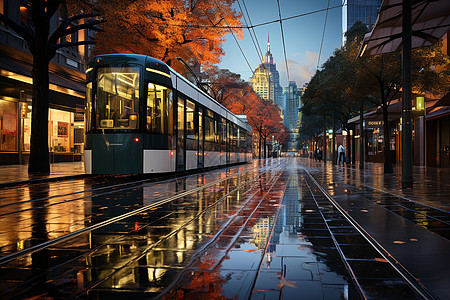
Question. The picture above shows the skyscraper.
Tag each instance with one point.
(266, 79)
(291, 97)
(365, 11)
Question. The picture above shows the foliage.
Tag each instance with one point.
(166, 29)
(336, 91)
(239, 97)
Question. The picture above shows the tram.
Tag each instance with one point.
(142, 117)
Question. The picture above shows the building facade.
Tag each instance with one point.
(265, 80)
(66, 96)
(365, 11)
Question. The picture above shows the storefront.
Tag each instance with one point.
(66, 109)
(438, 134)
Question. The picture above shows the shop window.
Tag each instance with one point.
(8, 126)
(59, 130)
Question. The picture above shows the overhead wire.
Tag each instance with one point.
(258, 50)
(323, 34)
(253, 26)
(232, 33)
(282, 37)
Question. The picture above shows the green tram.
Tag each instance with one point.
(142, 117)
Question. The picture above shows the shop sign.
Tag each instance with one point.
(374, 124)
(63, 129)
(9, 124)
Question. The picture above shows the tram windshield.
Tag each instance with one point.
(117, 97)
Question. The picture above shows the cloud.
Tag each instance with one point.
(300, 71)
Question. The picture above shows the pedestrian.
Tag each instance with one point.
(341, 155)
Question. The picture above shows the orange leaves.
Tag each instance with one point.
(167, 29)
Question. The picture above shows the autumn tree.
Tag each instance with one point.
(266, 121)
(43, 41)
(166, 29)
(223, 85)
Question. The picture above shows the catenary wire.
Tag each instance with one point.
(252, 26)
(323, 34)
(258, 50)
(282, 37)
(232, 33)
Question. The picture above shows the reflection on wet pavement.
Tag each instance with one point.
(267, 233)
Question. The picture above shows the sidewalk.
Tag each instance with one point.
(431, 185)
(11, 174)
(411, 224)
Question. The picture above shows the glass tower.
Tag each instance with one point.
(365, 11)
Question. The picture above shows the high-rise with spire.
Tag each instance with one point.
(266, 79)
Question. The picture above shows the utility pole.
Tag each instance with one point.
(407, 178)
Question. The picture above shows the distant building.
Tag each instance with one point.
(266, 80)
(291, 96)
(365, 11)
(292, 102)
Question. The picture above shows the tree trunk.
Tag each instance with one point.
(386, 140)
(260, 146)
(39, 156)
(264, 145)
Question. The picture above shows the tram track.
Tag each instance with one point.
(346, 232)
(226, 226)
(124, 187)
(67, 238)
(38, 203)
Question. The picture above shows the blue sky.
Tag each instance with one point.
(302, 36)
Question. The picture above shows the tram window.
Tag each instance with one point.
(200, 130)
(159, 109)
(209, 132)
(88, 108)
(117, 97)
(190, 130)
(223, 134)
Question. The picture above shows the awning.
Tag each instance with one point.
(438, 113)
(430, 22)
(445, 101)
(394, 111)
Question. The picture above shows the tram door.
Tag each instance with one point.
(200, 138)
(181, 151)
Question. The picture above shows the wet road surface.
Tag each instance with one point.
(266, 230)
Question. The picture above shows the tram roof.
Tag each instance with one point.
(154, 63)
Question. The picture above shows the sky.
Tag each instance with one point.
(302, 36)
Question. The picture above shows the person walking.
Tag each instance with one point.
(341, 155)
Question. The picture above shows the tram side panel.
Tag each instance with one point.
(159, 161)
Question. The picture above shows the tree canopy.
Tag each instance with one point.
(336, 91)
(166, 29)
